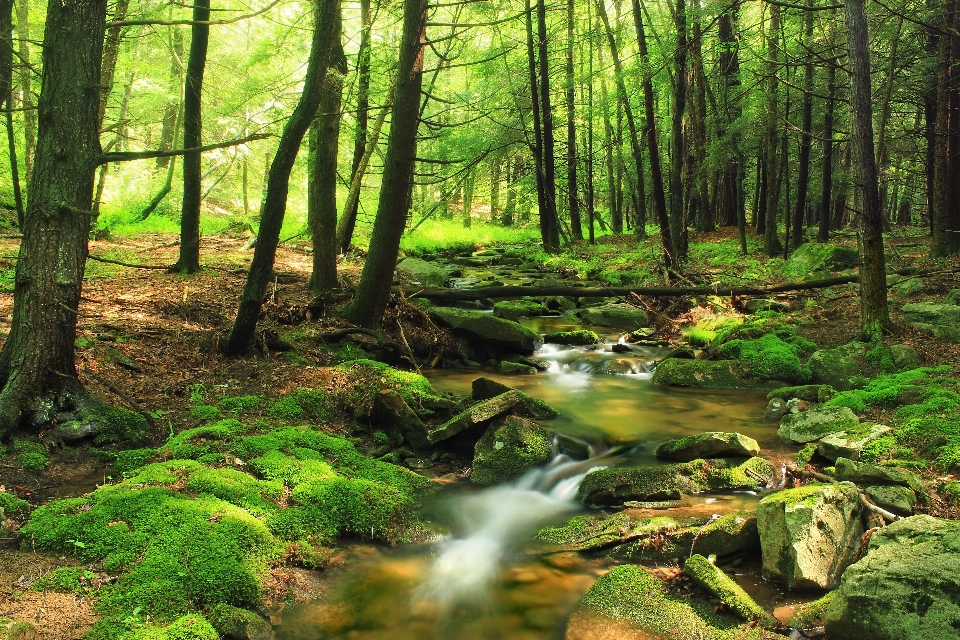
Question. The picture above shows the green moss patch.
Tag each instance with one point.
(370, 377)
(767, 358)
(32, 456)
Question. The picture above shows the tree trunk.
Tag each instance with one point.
(883, 153)
(495, 189)
(373, 291)
(572, 193)
(361, 133)
(826, 187)
(873, 280)
(322, 187)
(946, 170)
(550, 226)
(172, 110)
(326, 37)
(189, 261)
(590, 197)
(37, 367)
(700, 189)
(26, 75)
(6, 49)
(514, 167)
(653, 146)
(616, 219)
(771, 242)
(678, 222)
(111, 50)
(806, 137)
(468, 184)
(931, 48)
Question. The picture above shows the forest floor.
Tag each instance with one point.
(151, 336)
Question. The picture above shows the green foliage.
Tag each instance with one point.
(443, 236)
(370, 376)
(206, 413)
(32, 456)
(302, 404)
(64, 579)
(193, 443)
(131, 460)
(806, 454)
(189, 627)
(767, 358)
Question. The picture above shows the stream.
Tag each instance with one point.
(485, 581)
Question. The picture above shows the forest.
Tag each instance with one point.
(485, 319)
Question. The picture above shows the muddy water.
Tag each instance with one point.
(485, 582)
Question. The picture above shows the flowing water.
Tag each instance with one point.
(483, 581)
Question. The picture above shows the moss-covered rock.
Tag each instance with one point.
(189, 627)
(719, 585)
(850, 444)
(103, 423)
(528, 407)
(486, 328)
(391, 412)
(509, 448)
(863, 473)
(17, 630)
(515, 368)
(709, 374)
(369, 377)
(617, 485)
(477, 414)
(907, 586)
(303, 405)
(844, 367)
(899, 500)
(421, 271)
(813, 257)
(240, 624)
(942, 320)
(767, 358)
(631, 604)
(516, 310)
(816, 393)
(808, 426)
(577, 338)
(809, 535)
(710, 444)
(31, 455)
(621, 316)
(809, 615)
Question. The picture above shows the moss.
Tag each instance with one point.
(32, 456)
(12, 506)
(132, 459)
(580, 338)
(63, 579)
(518, 309)
(372, 376)
(274, 465)
(193, 443)
(631, 594)
(240, 404)
(206, 413)
(718, 584)
(810, 614)
(805, 455)
(189, 627)
(302, 404)
(767, 358)
(808, 495)
(308, 555)
(17, 630)
(705, 332)
(508, 449)
(115, 424)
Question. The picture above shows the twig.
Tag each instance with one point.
(123, 396)
(865, 501)
(127, 264)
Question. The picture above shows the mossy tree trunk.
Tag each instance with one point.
(373, 290)
(189, 261)
(873, 281)
(37, 368)
(326, 41)
(322, 188)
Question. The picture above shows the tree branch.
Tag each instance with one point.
(126, 156)
(174, 23)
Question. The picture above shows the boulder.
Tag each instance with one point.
(809, 535)
(850, 444)
(870, 474)
(484, 327)
(815, 393)
(942, 320)
(614, 486)
(390, 410)
(514, 368)
(904, 356)
(518, 309)
(711, 444)
(17, 630)
(708, 374)
(754, 305)
(528, 407)
(814, 424)
(907, 586)
(719, 585)
(776, 409)
(812, 257)
(509, 448)
(629, 603)
(843, 368)
(477, 414)
(233, 622)
(423, 272)
(577, 338)
(899, 500)
(618, 316)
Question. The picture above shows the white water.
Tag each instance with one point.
(493, 520)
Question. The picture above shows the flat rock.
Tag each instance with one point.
(616, 485)
(906, 587)
(484, 327)
(618, 316)
(515, 368)
(709, 374)
(518, 309)
(528, 407)
(390, 410)
(843, 368)
(870, 474)
(940, 319)
(809, 426)
(711, 444)
(812, 257)
(899, 500)
(477, 414)
(510, 447)
(850, 444)
(809, 535)
(423, 272)
(816, 393)
(577, 338)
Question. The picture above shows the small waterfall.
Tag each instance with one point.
(571, 360)
(493, 520)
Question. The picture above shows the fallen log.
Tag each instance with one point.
(513, 291)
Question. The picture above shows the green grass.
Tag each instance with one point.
(435, 236)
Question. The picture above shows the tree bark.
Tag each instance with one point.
(495, 190)
(874, 314)
(29, 115)
(111, 50)
(572, 193)
(826, 182)
(946, 169)
(322, 187)
(37, 368)
(549, 223)
(172, 115)
(468, 184)
(361, 132)
(771, 242)
(806, 136)
(326, 37)
(678, 221)
(373, 290)
(189, 261)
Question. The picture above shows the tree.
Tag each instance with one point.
(373, 291)
(324, 137)
(326, 39)
(771, 242)
(875, 316)
(572, 194)
(37, 367)
(806, 136)
(189, 261)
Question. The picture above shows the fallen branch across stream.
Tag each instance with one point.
(601, 292)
